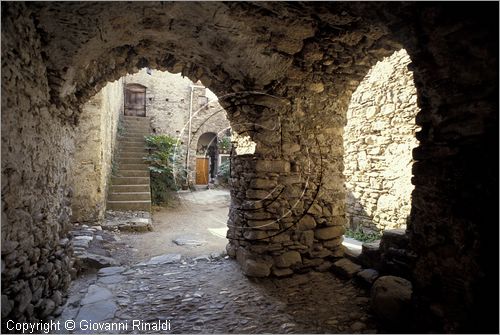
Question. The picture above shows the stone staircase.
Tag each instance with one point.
(130, 187)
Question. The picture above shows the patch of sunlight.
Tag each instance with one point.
(219, 232)
(352, 243)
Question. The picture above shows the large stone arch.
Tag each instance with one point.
(304, 61)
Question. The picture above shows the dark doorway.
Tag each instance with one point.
(135, 100)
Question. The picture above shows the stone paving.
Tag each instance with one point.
(206, 295)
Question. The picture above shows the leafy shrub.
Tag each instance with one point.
(224, 171)
(362, 236)
(224, 144)
(165, 166)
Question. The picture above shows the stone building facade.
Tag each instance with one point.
(183, 110)
(378, 141)
(298, 65)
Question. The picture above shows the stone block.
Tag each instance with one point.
(346, 268)
(263, 224)
(325, 266)
(316, 87)
(307, 238)
(370, 254)
(254, 268)
(367, 276)
(261, 183)
(287, 259)
(315, 209)
(333, 243)
(394, 238)
(281, 238)
(391, 299)
(278, 166)
(282, 272)
(255, 235)
(290, 179)
(258, 194)
(307, 222)
(329, 233)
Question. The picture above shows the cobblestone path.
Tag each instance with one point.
(212, 296)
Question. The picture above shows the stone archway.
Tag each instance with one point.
(310, 56)
(206, 158)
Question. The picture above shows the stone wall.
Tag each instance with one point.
(37, 144)
(56, 55)
(167, 99)
(378, 141)
(95, 139)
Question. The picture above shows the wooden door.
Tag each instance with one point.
(201, 171)
(135, 100)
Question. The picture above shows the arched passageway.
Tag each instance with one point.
(287, 72)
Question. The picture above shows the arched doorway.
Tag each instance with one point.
(206, 158)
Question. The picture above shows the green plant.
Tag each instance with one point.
(164, 166)
(224, 171)
(120, 130)
(362, 236)
(224, 144)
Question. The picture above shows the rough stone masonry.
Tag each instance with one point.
(378, 141)
(291, 69)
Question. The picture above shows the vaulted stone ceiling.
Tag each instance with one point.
(229, 46)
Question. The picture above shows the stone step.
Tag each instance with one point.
(144, 120)
(132, 146)
(129, 188)
(129, 180)
(135, 133)
(129, 196)
(133, 150)
(139, 205)
(127, 160)
(135, 118)
(131, 124)
(137, 130)
(129, 144)
(142, 167)
(124, 139)
(132, 173)
(136, 123)
(133, 154)
(136, 137)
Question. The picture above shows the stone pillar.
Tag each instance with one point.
(287, 209)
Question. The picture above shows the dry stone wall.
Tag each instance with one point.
(37, 143)
(378, 141)
(95, 140)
